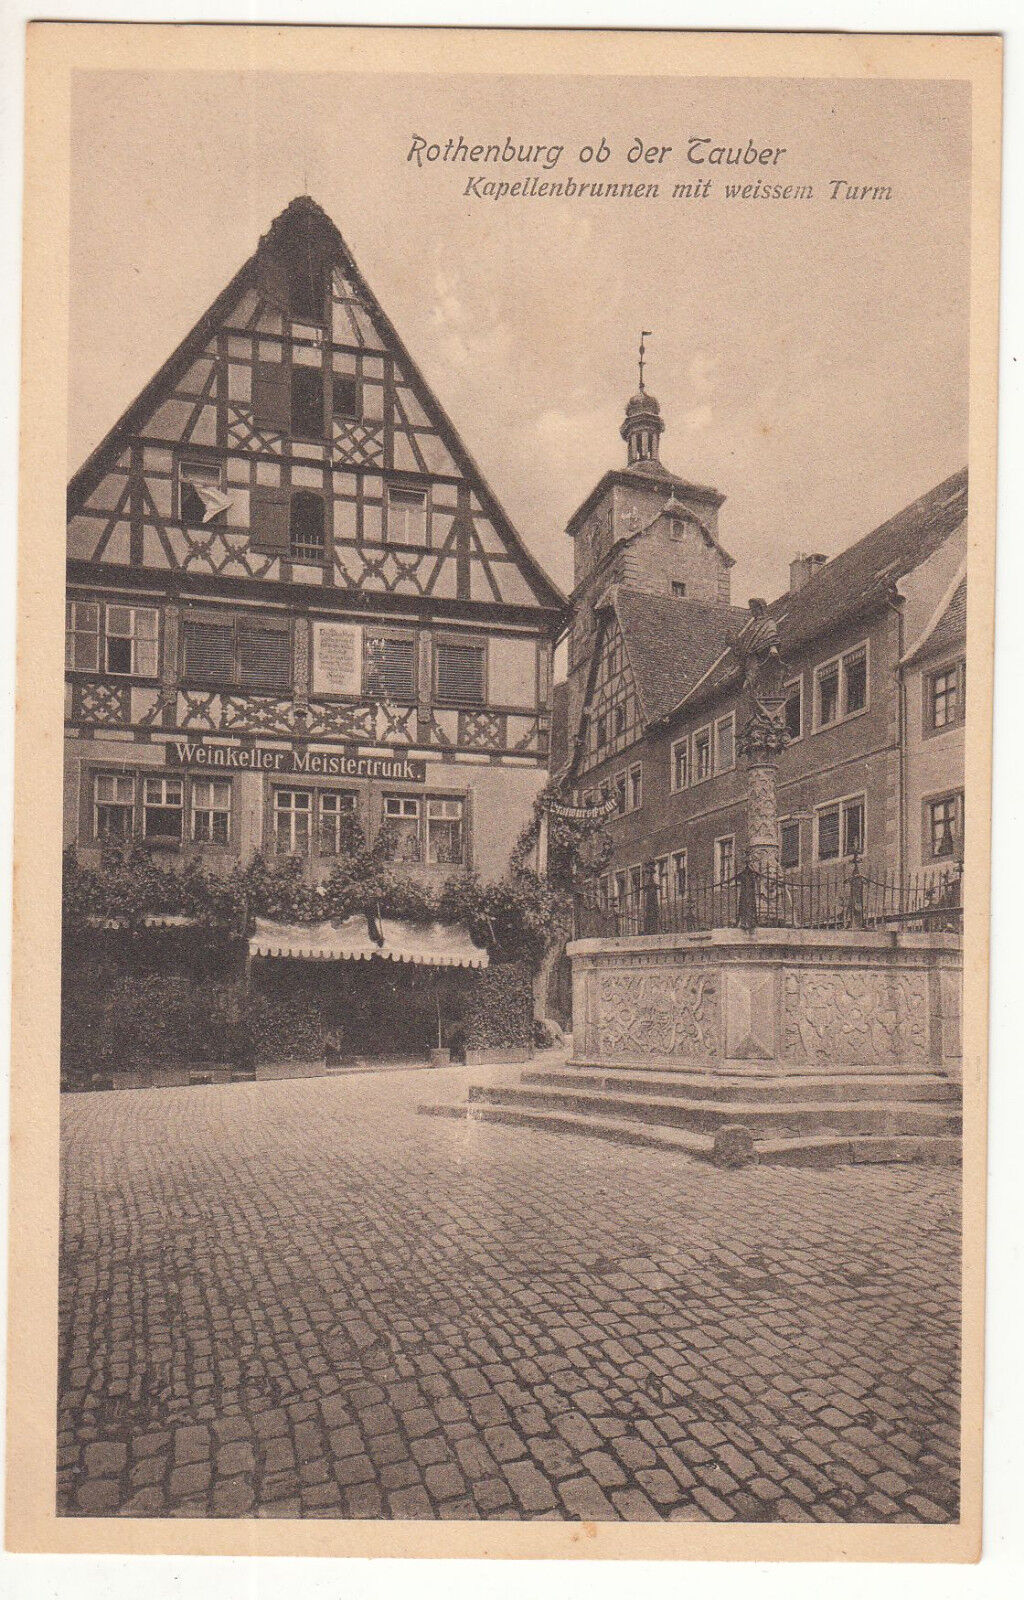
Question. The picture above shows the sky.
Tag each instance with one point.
(810, 357)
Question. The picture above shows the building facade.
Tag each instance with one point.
(292, 597)
(652, 709)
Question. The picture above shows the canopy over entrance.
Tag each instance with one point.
(436, 944)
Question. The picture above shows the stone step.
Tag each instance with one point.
(704, 1116)
(768, 1088)
(823, 1150)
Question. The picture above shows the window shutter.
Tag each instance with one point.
(264, 657)
(460, 673)
(390, 668)
(272, 396)
(208, 652)
(269, 519)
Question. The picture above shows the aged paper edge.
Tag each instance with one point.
(53, 49)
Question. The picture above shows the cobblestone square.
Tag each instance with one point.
(301, 1298)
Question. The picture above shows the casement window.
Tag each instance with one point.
(402, 821)
(841, 686)
(163, 809)
(345, 396)
(636, 879)
(794, 709)
(678, 589)
(120, 640)
(242, 653)
(407, 515)
(725, 858)
(945, 697)
(293, 821)
(636, 787)
(789, 844)
(620, 794)
(701, 755)
(113, 811)
(333, 807)
(661, 877)
(944, 825)
(840, 829)
(459, 673)
(680, 764)
(679, 878)
(272, 396)
(445, 839)
(200, 484)
(725, 743)
(211, 810)
(389, 668)
(307, 403)
(306, 524)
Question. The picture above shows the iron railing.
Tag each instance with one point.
(826, 897)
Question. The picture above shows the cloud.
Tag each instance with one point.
(698, 419)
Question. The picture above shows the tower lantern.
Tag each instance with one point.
(643, 425)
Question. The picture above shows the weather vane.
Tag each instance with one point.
(645, 333)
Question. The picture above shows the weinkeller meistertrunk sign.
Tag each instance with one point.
(347, 763)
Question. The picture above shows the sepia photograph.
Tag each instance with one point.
(515, 794)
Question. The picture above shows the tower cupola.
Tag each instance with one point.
(642, 429)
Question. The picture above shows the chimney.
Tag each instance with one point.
(803, 567)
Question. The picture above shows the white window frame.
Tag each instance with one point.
(720, 722)
(635, 793)
(443, 820)
(662, 876)
(858, 798)
(403, 808)
(103, 636)
(839, 662)
(684, 743)
(165, 780)
(796, 683)
(730, 840)
(212, 477)
(677, 857)
(291, 812)
(122, 805)
(196, 786)
(623, 778)
(348, 805)
(72, 633)
(399, 514)
(792, 822)
(695, 777)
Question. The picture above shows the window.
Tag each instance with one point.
(121, 640)
(840, 829)
(855, 681)
(680, 764)
(200, 488)
(661, 877)
(163, 807)
(794, 709)
(725, 744)
(828, 694)
(113, 805)
(460, 673)
(636, 879)
(842, 686)
(307, 410)
(636, 788)
(678, 589)
(407, 515)
(725, 850)
(389, 668)
(600, 730)
(293, 818)
(334, 806)
(272, 396)
(604, 888)
(402, 821)
(620, 794)
(211, 810)
(679, 874)
(944, 698)
(944, 827)
(702, 755)
(619, 717)
(789, 844)
(444, 832)
(306, 525)
(249, 654)
(345, 396)
(620, 888)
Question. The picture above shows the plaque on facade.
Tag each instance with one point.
(337, 658)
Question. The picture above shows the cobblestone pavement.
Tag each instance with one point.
(301, 1298)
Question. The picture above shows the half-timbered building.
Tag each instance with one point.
(291, 595)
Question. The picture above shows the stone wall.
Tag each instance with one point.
(790, 1000)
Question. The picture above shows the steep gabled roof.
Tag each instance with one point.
(305, 221)
(949, 631)
(671, 644)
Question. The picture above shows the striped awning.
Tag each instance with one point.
(436, 944)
